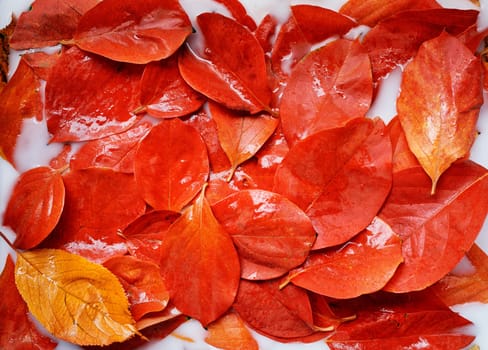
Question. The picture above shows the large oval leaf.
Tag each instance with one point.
(231, 68)
(329, 87)
(171, 165)
(133, 31)
(89, 97)
(362, 265)
(436, 230)
(35, 206)
(340, 177)
(200, 264)
(74, 299)
(444, 80)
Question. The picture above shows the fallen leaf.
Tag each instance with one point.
(230, 333)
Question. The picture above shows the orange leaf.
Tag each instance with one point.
(241, 136)
(230, 333)
(199, 264)
(439, 103)
(74, 299)
(35, 206)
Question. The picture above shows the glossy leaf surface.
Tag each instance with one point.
(171, 165)
(241, 136)
(362, 265)
(441, 125)
(329, 87)
(17, 331)
(133, 31)
(86, 303)
(35, 206)
(339, 177)
(89, 97)
(436, 229)
(271, 234)
(230, 333)
(164, 93)
(199, 264)
(403, 158)
(142, 283)
(231, 68)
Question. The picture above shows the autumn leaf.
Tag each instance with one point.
(470, 286)
(439, 103)
(171, 165)
(362, 265)
(231, 68)
(17, 330)
(35, 206)
(89, 97)
(340, 177)
(74, 299)
(5, 37)
(329, 87)
(403, 158)
(199, 263)
(241, 136)
(133, 31)
(49, 22)
(230, 333)
(41, 62)
(271, 234)
(436, 230)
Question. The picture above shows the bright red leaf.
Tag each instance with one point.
(199, 264)
(89, 97)
(133, 31)
(35, 206)
(271, 234)
(403, 158)
(340, 177)
(230, 68)
(230, 333)
(329, 87)
(41, 62)
(438, 229)
(171, 165)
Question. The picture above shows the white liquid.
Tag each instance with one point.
(34, 151)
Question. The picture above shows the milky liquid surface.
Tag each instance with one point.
(34, 151)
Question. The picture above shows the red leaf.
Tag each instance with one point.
(17, 331)
(396, 40)
(268, 310)
(142, 283)
(403, 158)
(133, 31)
(230, 333)
(241, 136)
(362, 265)
(164, 93)
(199, 264)
(171, 165)
(404, 321)
(307, 25)
(271, 234)
(48, 23)
(116, 151)
(89, 97)
(238, 11)
(98, 203)
(41, 62)
(35, 206)
(469, 286)
(231, 68)
(444, 80)
(339, 177)
(370, 12)
(329, 87)
(436, 230)
(19, 99)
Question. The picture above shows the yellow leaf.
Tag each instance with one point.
(74, 299)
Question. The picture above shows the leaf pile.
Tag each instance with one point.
(234, 176)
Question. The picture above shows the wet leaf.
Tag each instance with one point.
(35, 206)
(230, 333)
(74, 299)
(444, 81)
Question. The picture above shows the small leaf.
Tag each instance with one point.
(230, 333)
(74, 299)
(439, 103)
(133, 31)
(35, 206)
